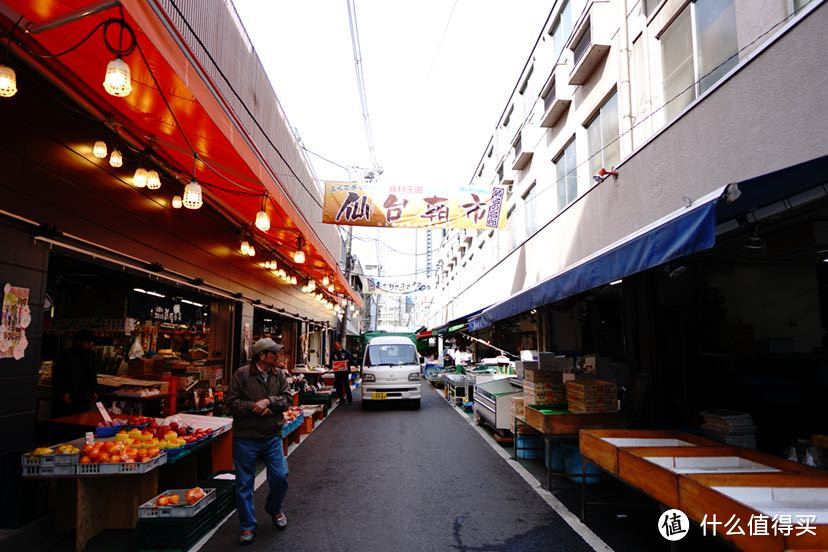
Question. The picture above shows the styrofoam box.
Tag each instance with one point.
(623, 442)
(709, 464)
(774, 501)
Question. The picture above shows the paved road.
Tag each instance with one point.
(397, 479)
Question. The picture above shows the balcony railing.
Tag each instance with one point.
(583, 45)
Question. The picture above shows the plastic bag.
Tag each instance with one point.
(136, 350)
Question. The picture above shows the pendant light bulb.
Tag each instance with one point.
(176, 202)
(153, 180)
(115, 158)
(293, 280)
(299, 256)
(331, 288)
(192, 195)
(8, 81)
(139, 179)
(326, 281)
(245, 247)
(262, 221)
(99, 149)
(251, 251)
(118, 79)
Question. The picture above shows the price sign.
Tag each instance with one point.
(102, 410)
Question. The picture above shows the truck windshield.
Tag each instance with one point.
(394, 355)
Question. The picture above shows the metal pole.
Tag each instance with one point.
(344, 327)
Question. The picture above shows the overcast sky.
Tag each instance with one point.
(438, 74)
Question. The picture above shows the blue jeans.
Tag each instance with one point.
(246, 452)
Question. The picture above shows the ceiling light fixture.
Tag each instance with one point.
(192, 192)
(245, 247)
(299, 255)
(116, 159)
(139, 179)
(8, 78)
(99, 149)
(118, 78)
(153, 180)
(326, 281)
(262, 219)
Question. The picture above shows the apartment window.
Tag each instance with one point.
(508, 116)
(561, 30)
(697, 50)
(566, 176)
(602, 136)
(648, 6)
(526, 80)
(531, 208)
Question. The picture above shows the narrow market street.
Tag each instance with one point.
(401, 479)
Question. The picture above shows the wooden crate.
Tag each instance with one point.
(562, 422)
(594, 446)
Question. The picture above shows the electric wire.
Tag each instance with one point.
(360, 77)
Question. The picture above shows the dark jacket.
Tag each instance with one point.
(246, 387)
(342, 354)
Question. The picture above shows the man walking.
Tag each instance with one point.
(342, 378)
(258, 395)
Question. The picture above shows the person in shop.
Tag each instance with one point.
(258, 395)
(448, 361)
(341, 379)
(74, 378)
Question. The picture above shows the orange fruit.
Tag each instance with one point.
(85, 460)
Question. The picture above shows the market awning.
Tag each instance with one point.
(680, 233)
(425, 334)
(457, 323)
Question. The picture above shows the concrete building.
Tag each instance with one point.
(680, 97)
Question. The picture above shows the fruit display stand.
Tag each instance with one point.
(101, 496)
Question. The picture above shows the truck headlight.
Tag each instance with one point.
(414, 376)
(368, 377)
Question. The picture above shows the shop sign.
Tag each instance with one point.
(375, 286)
(16, 317)
(372, 204)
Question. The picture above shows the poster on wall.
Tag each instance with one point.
(15, 319)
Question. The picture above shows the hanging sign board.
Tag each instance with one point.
(371, 204)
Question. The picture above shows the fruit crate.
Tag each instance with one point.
(149, 510)
(122, 467)
(51, 464)
(225, 502)
(174, 533)
(290, 427)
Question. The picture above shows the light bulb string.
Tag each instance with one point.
(11, 34)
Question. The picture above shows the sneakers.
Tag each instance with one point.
(246, 537)
(280, 520)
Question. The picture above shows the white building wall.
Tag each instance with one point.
(764, 115)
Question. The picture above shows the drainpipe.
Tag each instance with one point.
(624, 88)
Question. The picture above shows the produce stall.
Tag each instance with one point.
(101, 480)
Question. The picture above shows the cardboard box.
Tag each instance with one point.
(555, 396)
(591, 397)
(550, 362)
(516, 408)
(521, 365)
(540, 376)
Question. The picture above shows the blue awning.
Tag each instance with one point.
(678, 234)
(451, 325)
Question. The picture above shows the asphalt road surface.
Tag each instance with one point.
(398, 479)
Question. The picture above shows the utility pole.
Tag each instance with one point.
(344, 327)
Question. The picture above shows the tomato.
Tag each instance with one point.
(153, 452)
(103, 457)
(94, 453)
(115, 459)
(163, 500)
(85, 459)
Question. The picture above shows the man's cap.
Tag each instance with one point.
(266, 344)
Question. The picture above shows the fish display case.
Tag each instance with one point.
(493, 401)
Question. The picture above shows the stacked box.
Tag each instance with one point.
(591, 397)
(141, 368)
(516, 408)
(548, 362)
(543, 387)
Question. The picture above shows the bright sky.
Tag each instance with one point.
(438, 74)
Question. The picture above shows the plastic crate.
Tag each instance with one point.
(149, 509)
(122, 467)
(48, 464)
(174, 533)
(111, 431)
